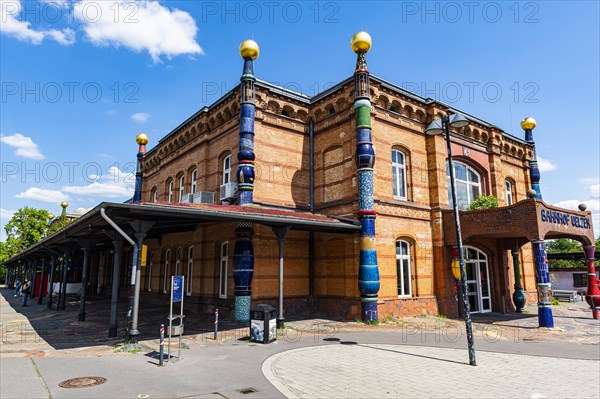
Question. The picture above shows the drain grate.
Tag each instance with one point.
(82, 382)
(246, 391)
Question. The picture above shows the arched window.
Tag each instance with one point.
(227, 169)
(194, 177)
(223, 270)
(166, 271)
(510, 199)
(170, 191)
(468, 185)
(154, 195)
(190, 267)
(181, 187)
(403, 268)
(399, 174)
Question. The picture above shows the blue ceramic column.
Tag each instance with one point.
(142, 140)
(542, 274)
(368, 271)
(243, 252)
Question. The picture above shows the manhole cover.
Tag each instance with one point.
(82, 382)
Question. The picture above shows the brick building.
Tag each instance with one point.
(304, 158)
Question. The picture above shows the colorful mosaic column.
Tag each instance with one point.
(368, 271)
(142, 140)
(592, 296)
(539, 248)
(243, 253)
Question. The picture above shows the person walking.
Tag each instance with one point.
(25, 291)
(17, 287)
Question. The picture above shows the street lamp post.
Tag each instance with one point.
(442, 126)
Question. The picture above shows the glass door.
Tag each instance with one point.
(476, 267)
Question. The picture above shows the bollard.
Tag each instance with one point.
(216, 323)
(162, 344)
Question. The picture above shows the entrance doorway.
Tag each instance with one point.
(476, 267)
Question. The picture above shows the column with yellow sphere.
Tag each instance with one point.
(142, 140)
(368, 270)
(542, 274)
(243, 253)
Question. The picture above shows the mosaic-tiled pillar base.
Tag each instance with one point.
(368, 313)
(242, 309)
(542, 275)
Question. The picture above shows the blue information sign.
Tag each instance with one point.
(177, 288)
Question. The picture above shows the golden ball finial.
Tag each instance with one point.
(249, 49)
(361, 41)
(64, 204)
(528, 123)
(141, 139)
(50, 216)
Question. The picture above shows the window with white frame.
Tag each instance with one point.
(170, 191)
(227, 169)
(403, 268)
(166, 271)
(468, 185)
(223, 270)
(399, 174)
(194, 177)
(509, 192)
(190, 267)
(181, 187)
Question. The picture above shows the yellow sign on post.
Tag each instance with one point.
(144, 255)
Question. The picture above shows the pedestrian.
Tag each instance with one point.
(25, 291)
(17, 287)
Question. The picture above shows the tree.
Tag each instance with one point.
(564, 245)
(58, 224)
(483, 202)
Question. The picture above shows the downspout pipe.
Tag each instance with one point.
(132, 326)
(311, 235)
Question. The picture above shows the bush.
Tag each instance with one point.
(483, 202)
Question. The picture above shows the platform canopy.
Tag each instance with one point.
(173, 218)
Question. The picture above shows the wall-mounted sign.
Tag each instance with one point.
(565, 219)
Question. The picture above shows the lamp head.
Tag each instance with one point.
(458, 120)
(249, 49)
(528, 123)
(434, 128)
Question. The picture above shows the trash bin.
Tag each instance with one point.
(262, 324)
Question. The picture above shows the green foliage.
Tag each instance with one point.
(564, 245)
(554, 302)
(58, 224)
(483, 202)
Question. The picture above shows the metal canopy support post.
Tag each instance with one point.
(62, 299)
(280, 232)
(87, 248)
(41, 289)
(141, 228)
(114, 301)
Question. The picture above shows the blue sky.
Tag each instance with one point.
(80, 79)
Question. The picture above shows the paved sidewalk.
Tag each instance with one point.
(395, 371)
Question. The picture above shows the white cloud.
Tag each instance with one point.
(117, 184)
(6, 214)
(545, 165)
(43, 195)
(21, 30)
(595, 191)
(589, 180)
(139, 26)
(25, 146)
(82, 211)
(140, 117)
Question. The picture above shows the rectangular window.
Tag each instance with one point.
(194, 177)
(509, 192)
(399, 174)
(223, 270)
(227, 169)
(190, 266)
(403, 268)
(579, 279)
(171, 191)
(181, 188)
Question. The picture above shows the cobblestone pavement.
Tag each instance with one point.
(352, 370)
